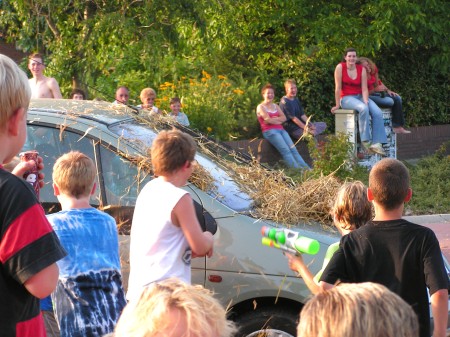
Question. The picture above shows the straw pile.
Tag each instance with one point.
(278, 198)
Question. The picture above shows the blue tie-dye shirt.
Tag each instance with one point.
(89, 296)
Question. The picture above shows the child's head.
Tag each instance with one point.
(171, 150)
(389, 183)
(148, 96)
(175, 105)
(77, 94)
(358, 309)
(172, 308)
(14, 88)
(351, 208)
(74, 174)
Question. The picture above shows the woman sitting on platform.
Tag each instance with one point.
(382, 96)
(271, 119)
(351, 93)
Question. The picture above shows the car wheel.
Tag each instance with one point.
(268, 322)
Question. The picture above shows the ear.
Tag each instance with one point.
(409, 195)
(94, 188)
(187, 164)
(14, 121)
(56, 191)
(369, 194)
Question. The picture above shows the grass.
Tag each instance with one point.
(430, 182)
(430, 177)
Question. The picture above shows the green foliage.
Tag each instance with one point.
(332, 155)
(430, 182)
(101, 45)
(215, 105)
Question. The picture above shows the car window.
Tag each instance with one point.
(123, 181)
(226, 189)
(51, 144)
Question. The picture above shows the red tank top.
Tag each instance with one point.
(266, 127)
(351, 86)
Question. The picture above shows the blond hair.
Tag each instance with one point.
(171, 150)
(74, 174)
(150, 315)
(389, 183)
(358, 309)
(14, 88)
(351, 207)
(147, 92)
(289, 81)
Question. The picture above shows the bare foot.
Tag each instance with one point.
(400, 129)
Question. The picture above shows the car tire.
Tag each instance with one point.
(268, 322)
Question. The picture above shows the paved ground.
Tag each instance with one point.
(440, 224)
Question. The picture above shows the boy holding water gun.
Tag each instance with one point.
(350, 211)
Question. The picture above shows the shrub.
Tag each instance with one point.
(215, 104)
(431, 184)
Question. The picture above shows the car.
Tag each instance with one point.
(251, 280)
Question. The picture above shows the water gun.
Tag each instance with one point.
(289, 241)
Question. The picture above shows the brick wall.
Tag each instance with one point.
(423, 141)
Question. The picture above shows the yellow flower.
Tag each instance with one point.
(205, 74)
(238, 91)
(222, 77)
(209, 129)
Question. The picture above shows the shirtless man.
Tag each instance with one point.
(41, 86)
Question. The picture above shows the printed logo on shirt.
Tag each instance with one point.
(187, 255)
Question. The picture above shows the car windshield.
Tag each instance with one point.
(226, 189)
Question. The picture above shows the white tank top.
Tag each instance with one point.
(158, 248)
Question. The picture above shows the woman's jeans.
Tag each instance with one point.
(283, 143)
(394, 102)
(355, 102)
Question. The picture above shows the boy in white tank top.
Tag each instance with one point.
(165, 232)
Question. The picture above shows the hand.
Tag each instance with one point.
(295, 261)
(391, 93)
(25, 166)
(333, 109)
(311, 129)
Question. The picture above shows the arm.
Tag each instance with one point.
(365, 91)
(382, 87)
(43, 283)
(439, 308)
(54, 88)
(183, 215)
(337, 89)
(267, 119)
(297, 264)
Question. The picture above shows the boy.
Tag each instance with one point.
(41, 85)
(172, 308)
(165, 232)
(357, 309)
(176, 113)
(296, 120)
(148, 96)
(89, 296)
(77, 94)
(350, 211)
(29, 248)
(403, 256)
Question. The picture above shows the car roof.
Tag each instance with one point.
(99, 111)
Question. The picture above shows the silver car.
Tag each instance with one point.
(253, 281)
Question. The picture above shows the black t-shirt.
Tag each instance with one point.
(403, 256)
